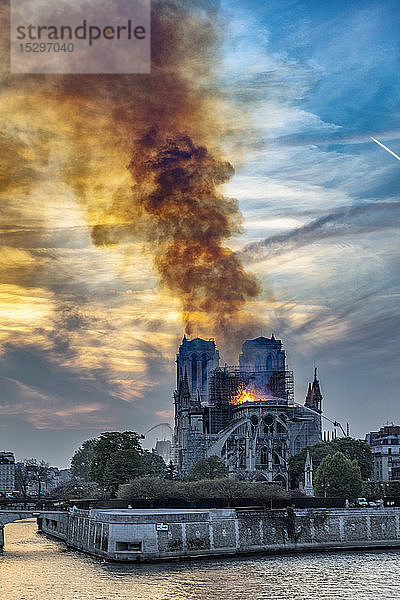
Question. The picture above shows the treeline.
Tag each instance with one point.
(102, 464)
(115, 464)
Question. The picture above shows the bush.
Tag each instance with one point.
(153, 489)
(148, 488)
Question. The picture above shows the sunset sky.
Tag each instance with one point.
(90, 317)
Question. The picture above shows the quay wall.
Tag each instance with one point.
(151, 535)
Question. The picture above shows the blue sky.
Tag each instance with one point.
(323, 80)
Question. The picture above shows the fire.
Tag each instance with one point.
(248, 394)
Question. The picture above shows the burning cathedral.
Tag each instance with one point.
(246, 414)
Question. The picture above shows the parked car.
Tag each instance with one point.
(362, 502)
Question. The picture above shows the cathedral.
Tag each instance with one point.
(246, 414)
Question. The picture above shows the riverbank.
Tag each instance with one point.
(153, 535)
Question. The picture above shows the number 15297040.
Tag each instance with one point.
(46, 47)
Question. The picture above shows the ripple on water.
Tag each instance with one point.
(35, 568)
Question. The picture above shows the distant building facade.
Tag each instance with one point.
(246, 415)
(385, 446)
(7, 472)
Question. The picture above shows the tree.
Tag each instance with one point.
(121, 467)
(338, 476)
(81, 460)
(351, 448)
(209, 468)
(153, 464)
(106, 446)
(76, 488)
(357, 450)
(32, 472)
(392, 488)
(22, 478)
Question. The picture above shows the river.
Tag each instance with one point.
(36, 568)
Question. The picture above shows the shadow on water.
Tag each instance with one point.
(232, 562)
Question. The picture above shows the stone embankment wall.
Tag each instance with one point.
(134, 535)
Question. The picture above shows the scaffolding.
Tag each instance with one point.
(226, 383)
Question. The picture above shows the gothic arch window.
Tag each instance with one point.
(194, 372)
(269, 424)
(258, 363)
(269, 420)
(264, 455)
(254, 422)
(269, 363)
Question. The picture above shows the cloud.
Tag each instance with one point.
(39, 388)
(346, 221)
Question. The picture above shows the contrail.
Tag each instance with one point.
(383, 146)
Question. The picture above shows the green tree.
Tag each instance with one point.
(106, 446)
(351, 448)
(81, 460)
(338, 476)
(357, 450)
(153, 464)
(208, 468)
(121, 467)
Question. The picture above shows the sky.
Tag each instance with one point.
(292, 94)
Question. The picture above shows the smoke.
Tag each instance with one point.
(190, 221)
(170, 123)
(141, 154)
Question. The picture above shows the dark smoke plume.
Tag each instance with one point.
(142, 153)
(176, 167)
(191, 221)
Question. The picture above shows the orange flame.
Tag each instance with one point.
(248, 394)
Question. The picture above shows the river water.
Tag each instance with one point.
(36, 568)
